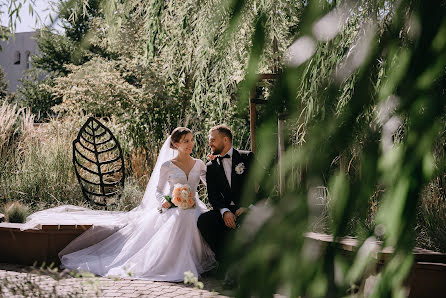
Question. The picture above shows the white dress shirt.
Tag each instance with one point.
(227, 166)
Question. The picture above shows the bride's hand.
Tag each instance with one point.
(240, 211)
(166, 205)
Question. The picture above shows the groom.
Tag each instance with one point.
(225, 178)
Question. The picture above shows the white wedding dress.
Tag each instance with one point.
(142, 243)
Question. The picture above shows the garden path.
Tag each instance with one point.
(21, 281)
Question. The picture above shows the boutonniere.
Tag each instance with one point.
(240, 168)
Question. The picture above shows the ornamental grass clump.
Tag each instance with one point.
(130, 196)
(39, 172)
(14, 124)
(432, 217)
(15, 212)
(8, 125)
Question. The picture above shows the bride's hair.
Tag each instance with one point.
(177, 134)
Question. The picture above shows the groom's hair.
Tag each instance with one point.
(223, 129)
(177, 134)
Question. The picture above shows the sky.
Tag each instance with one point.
(28, 22)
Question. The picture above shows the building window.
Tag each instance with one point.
(28, 59)
(17, 57)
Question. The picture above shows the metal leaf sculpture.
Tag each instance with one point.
(98, 163)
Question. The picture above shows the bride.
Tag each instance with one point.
(153, 241)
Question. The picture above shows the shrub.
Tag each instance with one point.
(15, 212)
(34, 95)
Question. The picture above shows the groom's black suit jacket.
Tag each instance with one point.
(220, 194)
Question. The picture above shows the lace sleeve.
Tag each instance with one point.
(160, 188)
(202, 172)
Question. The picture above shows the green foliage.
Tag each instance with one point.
(58, 51)
(99, 87)
(36, 162)
(76, 16)
(362, 85)
(3, 86)
(55, 51)
(189, 44)
(96, 87)
(34, 94)
(74, 46)
(387, 79)
(4, 33)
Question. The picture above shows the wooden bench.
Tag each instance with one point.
(35, 246)
(427, 277)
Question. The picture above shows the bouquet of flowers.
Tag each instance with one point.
(183, 197)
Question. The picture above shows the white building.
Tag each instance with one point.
(15, 56)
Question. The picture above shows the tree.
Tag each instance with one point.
(126, 89)
(34, 93)
(74, 46)
(55, 51)
(4, 93)
(58, 51)
(76, 17)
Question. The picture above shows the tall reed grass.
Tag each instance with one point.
(14, 122)
(36, 162)
(432, 217)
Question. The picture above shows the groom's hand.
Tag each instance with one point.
(229, 219)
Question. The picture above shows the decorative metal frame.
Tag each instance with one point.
(93, 143)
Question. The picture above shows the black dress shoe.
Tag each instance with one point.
(213, 272)
(220, 273)
(229, 283)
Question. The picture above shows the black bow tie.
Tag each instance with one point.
(222, 157)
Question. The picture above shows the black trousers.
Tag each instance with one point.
(214, 231)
